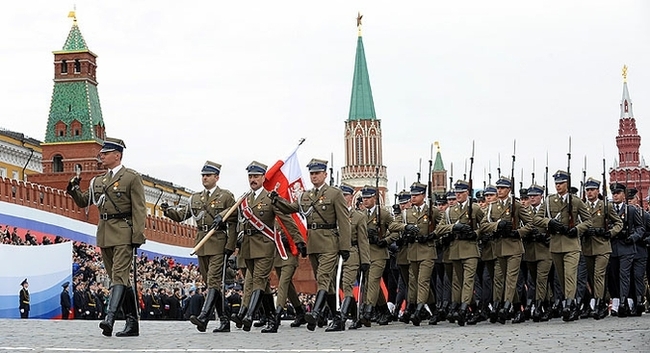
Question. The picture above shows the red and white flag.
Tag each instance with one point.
(287, 175)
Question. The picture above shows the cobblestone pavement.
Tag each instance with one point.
(609, 335)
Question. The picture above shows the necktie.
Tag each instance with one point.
(207, 194)
(593, 205)
(618, 208)
(110, 174)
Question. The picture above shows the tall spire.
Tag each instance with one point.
(628, 140)
(361, 103)
(438, 166)
(626, 102)
(75, 40)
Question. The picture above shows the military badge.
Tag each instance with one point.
(116, 185)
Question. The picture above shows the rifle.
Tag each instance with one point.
(583, 192)
(605, 201)
(420, 170)
(470, 213)
(499, 167)
(378, 206)
(331, 169)
(430, 196)
(546, 178)
(572, 222)
(515, 222)
(451, 177)
(521, 180)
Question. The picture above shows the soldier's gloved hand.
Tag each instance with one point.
(554, 225)
(515, 234)
(302, 249)
(274, 196)
(399, 242)
(372, 239)
(572, 233)
(485, 237)
(461, 228)
(393, 247)
(73, 183)
(217, 221)
(591, 231)
(382, 243)
(411, 229)
(228, 252)
(164, 206)
(345, 254)
(607, 234)
(504, 225)
(364, 267)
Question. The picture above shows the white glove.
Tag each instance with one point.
(22, 311)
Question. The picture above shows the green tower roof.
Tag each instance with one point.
(362, 106)
(75, 41)
(438, 166)
(77, 100)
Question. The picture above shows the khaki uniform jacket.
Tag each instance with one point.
(461, 249)
(327, 207)
(597, 245)
(204, 209)
(534, 250)
(497, 212)
(126, 191)
(387, 226)
(256, 245)
(554, 206)
(488, 247)
(359, 236)
(419, 251)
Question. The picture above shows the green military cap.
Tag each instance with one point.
(112, 144)
(317, 165)
(256, 168)
(211, 168)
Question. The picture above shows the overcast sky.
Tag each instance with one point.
(182, 82)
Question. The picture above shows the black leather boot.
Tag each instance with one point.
(494, 313)
(313, 317)
(224, 320)
(357, 313)
(406, 315)
(338, 323)
(519, 316)
(566, 310)
(537, 313)
(237, 318)
(256, 300)
(556, 309)
(366, 318)
(300, 317)
(462, 314)
(504, 312)
(623, 308)
(384, 315)
(130, 308)
(269, 311)
(452, 314)
(201, 321)
(274, 322)
(114, 303)
(443, 312)
(433, 320)
(639, 306)
(528, 310)
(598, 312)
(416, 318)
(547, 313)
(585, 311)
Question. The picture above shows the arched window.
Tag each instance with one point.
(57, 164)
(77, 66)
(64, 67)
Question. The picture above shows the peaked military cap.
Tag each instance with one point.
(441, 199)
(504, 182)
(317, 165)
(112, 144)
(24, 282)
(535, 190)
(592, 183)
(256, 168)
(66, 284)
(573, 190)
(523, 193)
(403, 197)
(368, 191)
(451, 195)
(211, 168)
(347, 189)
(617, 187)
(561, 177)
(480, 195)
(461, 186)
(418, 188)
(631, 193)
(490, 190)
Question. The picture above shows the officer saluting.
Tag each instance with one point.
(328, 222)
(119, 196)
(204, 207)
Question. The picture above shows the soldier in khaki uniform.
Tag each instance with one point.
(461, 222)
(504, 220)
(379, 226)
(487, 261)
(421, 248)
(328, 238)
(596, 246)
(203, 208)
(257, 214)
(537, 257)
(359, 261)
(565, 242)
(119, 197)
(285, 268)
(404, 201)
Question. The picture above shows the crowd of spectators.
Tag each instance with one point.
(167, 290)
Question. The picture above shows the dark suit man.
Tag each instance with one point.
(23, 300)
(204, 207)
(328, 238)
(65, 302)
(119, 197)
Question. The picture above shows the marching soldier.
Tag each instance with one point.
(119, 197)
(640, 257)
(404, 202)
(257, 214)
(204, 207)
(487, 262)
(359, 262)
(564, 229)
(504, 220)
(23, 297)
(286, 290)
(537, 257)
(596, 245)
(378, 227)
(421, 249)
(461, 224)
(328, 238)
(623, 247)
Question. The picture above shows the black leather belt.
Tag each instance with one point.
(321, 225)
(106, 216)
(207, 227)
(251, 231)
